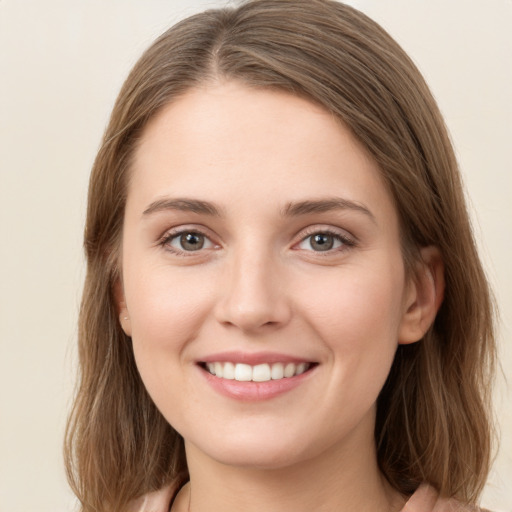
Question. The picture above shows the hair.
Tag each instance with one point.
(433, 424)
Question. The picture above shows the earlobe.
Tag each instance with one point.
(122, 310)
(424, 297)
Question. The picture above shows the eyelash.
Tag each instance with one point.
(166, 240)
(346, 241)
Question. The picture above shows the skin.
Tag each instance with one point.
(258, 284)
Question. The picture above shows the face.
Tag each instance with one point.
(263, 283)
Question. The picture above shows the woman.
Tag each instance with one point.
(284, 308)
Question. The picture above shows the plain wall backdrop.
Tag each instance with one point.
(62, 63)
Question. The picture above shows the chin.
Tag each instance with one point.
(266, 451)
(258, 459)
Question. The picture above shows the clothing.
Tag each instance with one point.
(425, 499)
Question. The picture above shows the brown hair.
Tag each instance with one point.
(432, 416)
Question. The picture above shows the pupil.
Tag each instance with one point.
(322, 242)
(192, 241)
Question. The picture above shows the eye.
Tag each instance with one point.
(188, 241)
(324, 241)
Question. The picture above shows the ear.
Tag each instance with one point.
(424, 296)
(122, 310)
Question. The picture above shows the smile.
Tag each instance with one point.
(258, 373)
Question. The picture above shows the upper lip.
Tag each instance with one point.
(253, 358)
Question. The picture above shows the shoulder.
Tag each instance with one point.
(426, 499)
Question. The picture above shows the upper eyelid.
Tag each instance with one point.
(302, 234)
(164, 242)
(331, 230)
(348, 241)
(191, 228)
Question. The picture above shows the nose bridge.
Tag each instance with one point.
(254, 295)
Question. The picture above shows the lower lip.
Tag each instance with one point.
(255, 391)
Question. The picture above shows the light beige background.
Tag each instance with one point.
(61, 65)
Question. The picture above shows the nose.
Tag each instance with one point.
(254, 297)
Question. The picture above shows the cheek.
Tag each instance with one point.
(357, 317)
(166, 311)
(353, 302)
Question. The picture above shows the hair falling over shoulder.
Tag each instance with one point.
(433, 418)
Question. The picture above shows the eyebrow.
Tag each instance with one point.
(325, 205)
(292, 209)
(184, 205)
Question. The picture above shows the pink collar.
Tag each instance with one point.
(425, 499)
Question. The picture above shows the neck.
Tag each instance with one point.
(342, 478)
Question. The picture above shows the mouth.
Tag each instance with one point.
(263, 372)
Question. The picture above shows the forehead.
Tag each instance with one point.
(231, 143)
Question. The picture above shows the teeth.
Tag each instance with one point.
(219, 369)
(301, 368)
(258, 373)
(228, 372)
(243, 372)
(277, 371)
(289, 370)
(261, 373)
